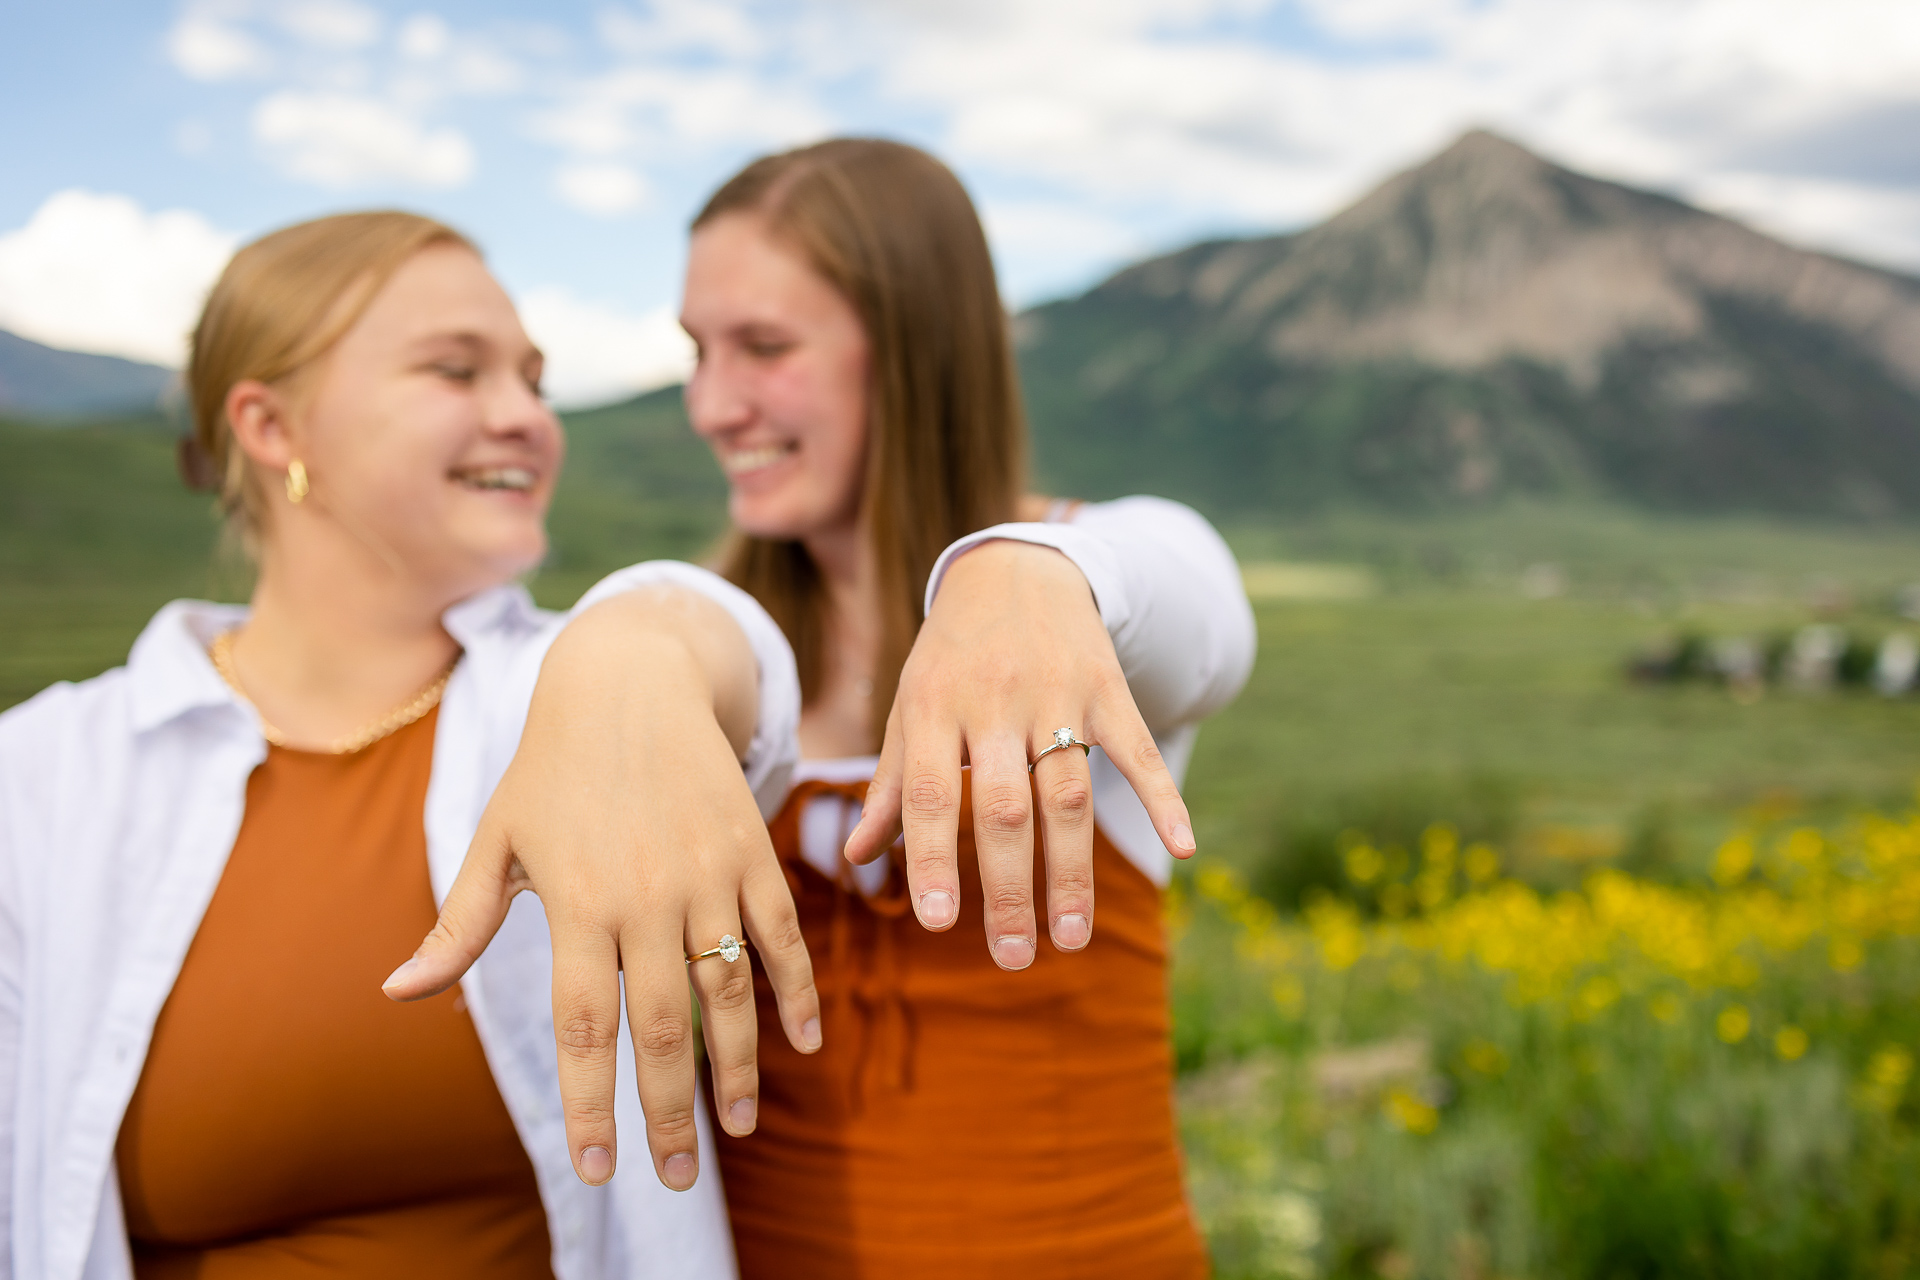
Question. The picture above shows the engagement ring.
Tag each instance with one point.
(1062, 739)
(728, 950)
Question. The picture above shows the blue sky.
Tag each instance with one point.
(574, 139)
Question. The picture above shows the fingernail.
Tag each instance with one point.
(399, 975)
(1071, 931)
(680, 1170)
(810, 1034)
(740, 1116)
(596, 1165)
(1183, 836)
(1012, 952)
(936, 909)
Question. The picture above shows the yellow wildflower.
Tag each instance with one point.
(1409, 1112)
(1482, 863)
(1733, 861)
(1485, 1057)
(1733, 1023)
(1364, 864)
(1790, 1042)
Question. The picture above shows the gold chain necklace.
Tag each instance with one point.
(399, 718)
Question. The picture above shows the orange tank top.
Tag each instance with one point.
(291, 1121)
(961, 1121)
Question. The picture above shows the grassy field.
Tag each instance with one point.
(1430, 1011)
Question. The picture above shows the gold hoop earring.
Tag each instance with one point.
(296, 482)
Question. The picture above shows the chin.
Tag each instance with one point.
(758, 519)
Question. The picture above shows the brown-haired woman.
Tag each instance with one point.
(212, 857)
(856, 383)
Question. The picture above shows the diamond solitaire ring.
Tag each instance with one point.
(1062, 739)
(728, 950)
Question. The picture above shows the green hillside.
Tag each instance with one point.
(96, 531)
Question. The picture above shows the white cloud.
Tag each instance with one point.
(1160, 118)
(1047, 245)
(597, 353)
(425, 36)
(331, 24)
(602, 189)
(92, 272)
(685, 26)
(588, 126)
(205, 46)
(1847, 218)
(340, 140)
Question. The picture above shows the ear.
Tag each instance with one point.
(261, 423)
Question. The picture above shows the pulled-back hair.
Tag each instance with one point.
(892, 229)
(281, 304)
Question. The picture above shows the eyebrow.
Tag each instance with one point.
(464, 338)
(471, 340)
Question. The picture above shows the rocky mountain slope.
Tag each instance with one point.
(1488, 323)
(41, 381)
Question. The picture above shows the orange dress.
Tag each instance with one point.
(961, 1121)
(291, 1121)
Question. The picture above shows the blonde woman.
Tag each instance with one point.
(211, 858)
(991, 1104)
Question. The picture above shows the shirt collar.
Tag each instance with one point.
(493, 612)
(170, 674)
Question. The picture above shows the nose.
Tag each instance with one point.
(512, 409)
(716, 400)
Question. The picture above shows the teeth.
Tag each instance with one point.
(516, 478)
(743, 460)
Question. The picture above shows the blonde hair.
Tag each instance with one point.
(892, 229)
(281, 304)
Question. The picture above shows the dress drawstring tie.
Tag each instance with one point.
(867, 993)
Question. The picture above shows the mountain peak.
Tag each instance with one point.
(42, 381)
(1543, 289)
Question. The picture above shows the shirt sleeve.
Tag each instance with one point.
(1169, 592)
(775, 748)
(14, 748)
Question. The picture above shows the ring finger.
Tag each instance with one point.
(1063, 790)
(727, 1022)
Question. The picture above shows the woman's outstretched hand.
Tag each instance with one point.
(625, 810)
(1012, 649)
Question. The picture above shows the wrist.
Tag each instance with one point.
(1000, 566)
(672, 648)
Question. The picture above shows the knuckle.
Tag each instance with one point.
(1009, 899)
(783, 938)
(928, 794)
(1073, 881)
(1146, 755)
(1002, 813)
(670, 1122)
(928, 862)
(662, 1036)
(590, 1114)
(731, 991)
(587, 1035)
(1070, 797)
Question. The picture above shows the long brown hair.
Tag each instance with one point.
(892, 229)
(281, 304)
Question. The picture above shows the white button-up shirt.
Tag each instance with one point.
(120, 799)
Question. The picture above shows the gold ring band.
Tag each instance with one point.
(728, 950)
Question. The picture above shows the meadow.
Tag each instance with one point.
(1493, 963)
